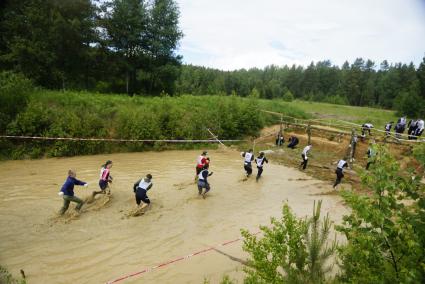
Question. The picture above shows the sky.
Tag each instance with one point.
(235, 34)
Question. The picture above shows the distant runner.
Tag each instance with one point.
(203, 181)
(105, 178)
(260, 162)
(340, 171)
(419, 128)
(388, 127)
(304, 156)
(248, 158)
(140, 189)
(370, 155)
(67, 192)
(292, 142)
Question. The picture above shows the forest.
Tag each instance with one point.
(131, 47)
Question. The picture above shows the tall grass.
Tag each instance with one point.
(88, 115)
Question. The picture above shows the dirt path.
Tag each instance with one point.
(103, 244)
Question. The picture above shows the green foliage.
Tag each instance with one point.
(67, 114)
(385, 230)
(419, 153)
(14, 91)
(7, 278)
(292, 250)
(337, 100)
(288, 96)
(410, 104)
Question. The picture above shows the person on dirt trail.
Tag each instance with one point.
(248, 158)
(67, 192)
(203, 180)
(304, 156)
(105, 178)
(200, 163)
(140, 189)
(400, 126)
(366, 128)
(388, 127)
(419, 128)
(260, 162)
(354, 145)
(340, 171)
(292, 142)
(279, 139)
(412, 126)
(371, 154)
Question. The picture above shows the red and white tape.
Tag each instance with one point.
(166, 263)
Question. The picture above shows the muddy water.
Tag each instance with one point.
(102, 244)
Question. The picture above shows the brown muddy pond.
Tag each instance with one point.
(104, 244)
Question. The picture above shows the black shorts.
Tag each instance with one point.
(103, 184)
(142, 196)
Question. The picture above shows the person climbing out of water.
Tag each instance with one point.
(67, 192)
(400, 126)
(412, 125)
(304, 156)
(141, 188)
(366, 127)
(279, 139)
(371, 154)
(248, 158)
(388, 127)
(419, 128)
(203, 180)
(340, 171)
(292, 142)
(105, 178)
(260, 162)
(200, 163)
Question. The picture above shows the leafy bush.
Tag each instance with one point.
(386, 229)
(288, 96)
(291, 251)
(14, 91)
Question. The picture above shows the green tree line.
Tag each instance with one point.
(121, 46)
(362, 83)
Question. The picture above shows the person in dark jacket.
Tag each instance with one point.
(140, 189)
(388, 127)
(292, 142)
(260, 162)
(279, 139)
(203, 181)
(67, 192)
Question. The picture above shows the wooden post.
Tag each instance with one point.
(309, 133)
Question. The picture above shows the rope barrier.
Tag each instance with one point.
(181, 258)
(115, 140)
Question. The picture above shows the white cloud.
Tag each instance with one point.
(233, 34)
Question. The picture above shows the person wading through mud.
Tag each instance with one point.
(105, 178)
(292, 142)
(370, 155)
(141, 188)
(304, 156)
(260, 162)
(203, 180)
(200, 163)
(340, 171)
(67, 192)
(248, 158)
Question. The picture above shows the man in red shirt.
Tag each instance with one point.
(201, 162)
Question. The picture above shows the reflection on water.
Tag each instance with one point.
(103, 242)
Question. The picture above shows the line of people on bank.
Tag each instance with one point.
(415, 128)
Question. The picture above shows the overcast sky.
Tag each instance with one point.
(234, 34)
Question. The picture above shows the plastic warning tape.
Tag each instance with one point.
(116, 140)
(181, 258)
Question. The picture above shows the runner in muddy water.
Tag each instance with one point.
(67, 192)
(200, 163)
(203, 181)
(340, 171)
(105, 178)
(248, 158)
(260, 162)
(141, 188)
